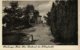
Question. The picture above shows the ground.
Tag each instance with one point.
(41, 34)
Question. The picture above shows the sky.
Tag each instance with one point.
(42, 6)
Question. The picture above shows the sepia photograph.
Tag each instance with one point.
(40, 22)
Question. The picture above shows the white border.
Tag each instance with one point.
(56, 47)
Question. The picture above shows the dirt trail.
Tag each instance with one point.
(42, 34)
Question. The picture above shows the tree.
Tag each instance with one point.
(63, 21)
(30, 15)
(12, 15)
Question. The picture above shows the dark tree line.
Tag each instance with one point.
(62, 20)
(15, 16)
